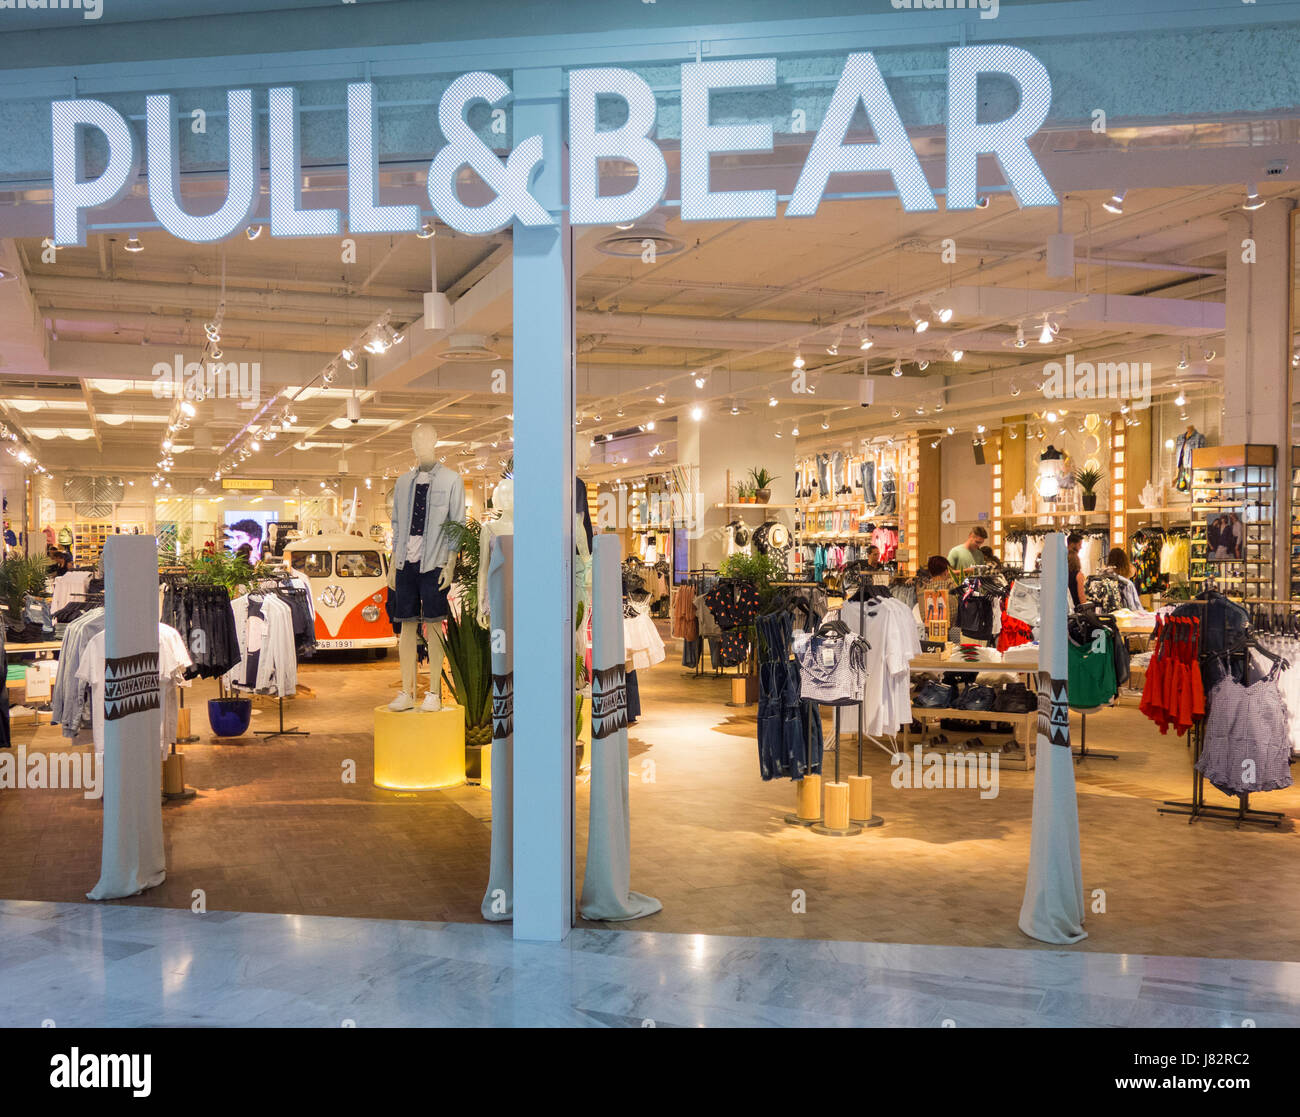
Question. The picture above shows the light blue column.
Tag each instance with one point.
(544, 506)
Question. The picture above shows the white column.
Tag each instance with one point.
(544, 507)
(1257, 352)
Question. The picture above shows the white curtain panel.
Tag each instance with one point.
(1053, 910)
(499, 900)
(606, 885)
(133, 857)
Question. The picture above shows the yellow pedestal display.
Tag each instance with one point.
(860, 798)
(837, 806)
(809, 797)
(485, 767)
(418, 751)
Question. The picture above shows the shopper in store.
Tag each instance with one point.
(990, 558)
(968, 553)
(872, 557)
(1073, 542)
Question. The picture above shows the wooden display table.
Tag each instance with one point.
(1025, 725)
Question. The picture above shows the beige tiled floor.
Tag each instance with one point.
(275, 829)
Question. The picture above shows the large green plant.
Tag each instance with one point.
(20, 575)
(468, 645)
(220, 568)
(759, 570)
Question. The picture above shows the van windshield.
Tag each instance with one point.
(315, 564)
(358, 564)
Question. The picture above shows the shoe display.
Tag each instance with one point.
(401, 702)
(432, 703)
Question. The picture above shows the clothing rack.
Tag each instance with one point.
(1197, 807)
(281, 732)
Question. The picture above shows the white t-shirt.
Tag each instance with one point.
(889, 627)
(173, 658)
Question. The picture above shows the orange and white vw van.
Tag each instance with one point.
(348, 576)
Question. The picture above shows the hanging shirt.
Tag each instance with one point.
(419, 509)
(173, 659)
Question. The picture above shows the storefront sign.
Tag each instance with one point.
(246, 483)
(860, 83)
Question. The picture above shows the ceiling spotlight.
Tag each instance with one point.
(426, 230)
(701, 379)
(833, 349)
(329, 373)
(697, 413)
(897, 370)
(919, 322)
(350, 356)
(213, 331)
(619, 413)
(945, 314)
(1253, 200)
(595, 418)
(1011, 434)
(866, 342)
(895, 413)
(934, 445)
(938, 407)
(1123, 408)
(1015, 388)
(980, 429)
(1207, 354)
(255, 446)
(649, 424)
(1115, 204)
(1180, 400)
(771, 401)
(735, 408)
(1182, 357)
(923, 364)
(1020, 336)
(826, 424)
(1183, 417)
(795, 430)
(799, 362)
(133, 245)
(188, 409)
(778, 432)
(920, 410)
(658, 399)
(1050, 416)
(982, 202)
(1047, 334)
(952, 430)
(956, 354)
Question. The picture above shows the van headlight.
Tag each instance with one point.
(370, 613)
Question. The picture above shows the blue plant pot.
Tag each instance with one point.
(229, 717)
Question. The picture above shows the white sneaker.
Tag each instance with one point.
(432, 702)
(401, 702)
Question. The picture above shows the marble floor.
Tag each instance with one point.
(275, 830)
(78, 965)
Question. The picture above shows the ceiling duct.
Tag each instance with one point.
(468, 347)
(630, 240)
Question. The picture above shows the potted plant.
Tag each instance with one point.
(467, 646)
(762, 484)
(742, 492)
(1088, 479)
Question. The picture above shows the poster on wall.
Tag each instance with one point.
(245, 529)
(1224, 535)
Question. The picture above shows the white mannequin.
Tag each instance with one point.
(503, 500)
(424, 443)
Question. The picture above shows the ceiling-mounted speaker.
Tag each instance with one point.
(978, 447)
(866, 392)
(1060, 256)
(354, 409)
